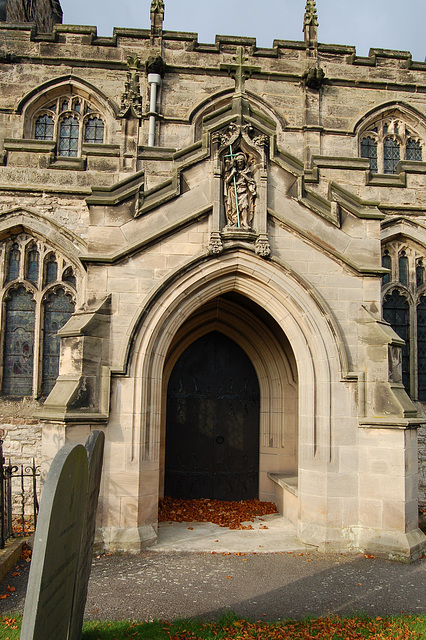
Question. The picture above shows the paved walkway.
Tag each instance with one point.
(271, 533)
(175, 582)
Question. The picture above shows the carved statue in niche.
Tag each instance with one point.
(239, 192)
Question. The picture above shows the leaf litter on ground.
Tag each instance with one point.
(230, 514)
(230, 627)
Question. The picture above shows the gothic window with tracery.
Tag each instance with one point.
(404, 307)
(396, 312)
(38, 294)
(70, 121)
(388, 140)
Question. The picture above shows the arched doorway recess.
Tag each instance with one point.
(212, 432)
(273, 447)
(276, 308)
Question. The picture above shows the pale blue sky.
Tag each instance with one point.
(387, 24)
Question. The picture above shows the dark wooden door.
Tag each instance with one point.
(212, 436)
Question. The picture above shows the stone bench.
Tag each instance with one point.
(286, 495)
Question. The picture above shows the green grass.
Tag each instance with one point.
(230, 627)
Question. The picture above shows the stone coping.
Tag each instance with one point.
(288, 482)
(9, 556)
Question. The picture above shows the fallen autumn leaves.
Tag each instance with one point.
(403, 628)
(226, 514)
(26, 554)
(232, 628)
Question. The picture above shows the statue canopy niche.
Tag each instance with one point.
(240, 191)
(240, 207)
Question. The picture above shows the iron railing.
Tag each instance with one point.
(18, 498)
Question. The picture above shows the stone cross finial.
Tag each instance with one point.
(310, 23)
(157, 17)
(240, 71)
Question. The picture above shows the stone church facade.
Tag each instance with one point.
(215, 253)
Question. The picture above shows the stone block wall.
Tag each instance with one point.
(195, 84)
(21, 440)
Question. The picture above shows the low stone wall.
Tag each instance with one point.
(21, 445)
(21, 440)
(20, 431)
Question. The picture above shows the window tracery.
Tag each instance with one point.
(388, 140)
(70, 121)
(404, 307)
(38, 294)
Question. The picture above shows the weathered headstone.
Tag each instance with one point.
(56, 553)
(95, 451)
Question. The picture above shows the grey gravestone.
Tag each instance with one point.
(95, 452)
(56, 553)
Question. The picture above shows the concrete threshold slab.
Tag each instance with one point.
(279, 535)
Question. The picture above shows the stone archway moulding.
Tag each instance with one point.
(32, 221)
(269, 356)
(276, 290)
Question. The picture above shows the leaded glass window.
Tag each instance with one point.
(44, 128)
(396, 312)
(33, 259)
(94, 131)
(58, 308)
(391, 155)
(32, 267)
(14, 262)
(404, 307)
(50, 270)
(68, 137)
(420, 273)
(414, 151)
(18, 349)
(387, 263)
(403, 268)
(388, 140)
(369, 150)
(69, 120)
(69, 276)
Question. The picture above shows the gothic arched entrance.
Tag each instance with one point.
(212, 431)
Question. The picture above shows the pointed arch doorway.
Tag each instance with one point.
(212, 427)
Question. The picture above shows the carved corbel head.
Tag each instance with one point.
(156, 64)
(313, 78)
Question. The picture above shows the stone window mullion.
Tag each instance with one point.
(413, 351)
(3, 254)
(380, 156)
(22, 261)
(395, 266)
(37, 346)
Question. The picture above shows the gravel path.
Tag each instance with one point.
(169, 585)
